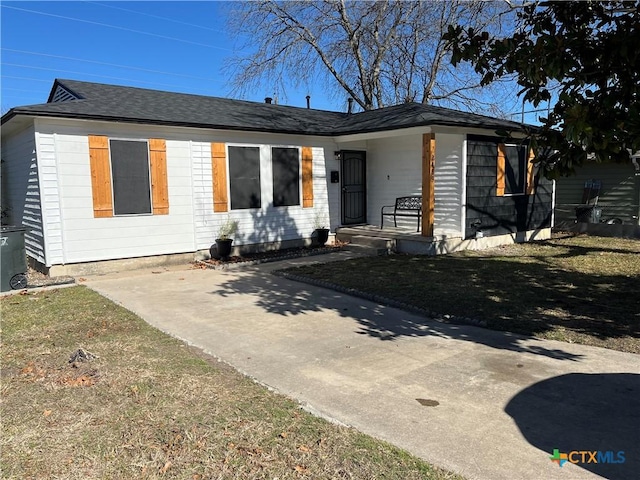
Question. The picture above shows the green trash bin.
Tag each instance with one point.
(13, 259)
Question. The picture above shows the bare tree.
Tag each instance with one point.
(379, 53)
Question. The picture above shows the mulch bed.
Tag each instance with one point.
(268, 256)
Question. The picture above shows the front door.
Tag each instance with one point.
(354, 193)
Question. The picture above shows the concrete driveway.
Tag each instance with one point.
(484, 404)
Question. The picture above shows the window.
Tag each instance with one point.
(130, 176)
(512, 169)
(286, 176)
(244, 177)
(515, 170)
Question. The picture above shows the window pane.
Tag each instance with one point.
(244, 177)
(515, 169)
(286, 176)
(130, 174)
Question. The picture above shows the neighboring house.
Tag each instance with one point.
(601, 199)
(103, 172)
(614, 189)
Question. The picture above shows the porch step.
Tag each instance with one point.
(368, 245)
(366, 251)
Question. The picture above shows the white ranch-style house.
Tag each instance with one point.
(109, 175)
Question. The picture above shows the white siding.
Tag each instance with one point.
(51, 213)
(268, 223)
(448, 185)
(191, 224)
(202, 194)
(91, 239)
(21, 189)
(394, 169)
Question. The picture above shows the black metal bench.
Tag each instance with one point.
(410, 206)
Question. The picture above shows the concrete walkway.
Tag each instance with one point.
(484, 404)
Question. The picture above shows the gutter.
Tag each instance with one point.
(320, 133)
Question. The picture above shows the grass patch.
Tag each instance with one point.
(151, 407)
(577, 289)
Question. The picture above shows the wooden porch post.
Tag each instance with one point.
(428, 187)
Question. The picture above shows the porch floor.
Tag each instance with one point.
(393, 233)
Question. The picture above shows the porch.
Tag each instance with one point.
(406, 240)
(393, 239)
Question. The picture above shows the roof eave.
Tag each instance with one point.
(164, 123)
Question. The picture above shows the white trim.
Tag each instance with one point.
(193, 193)
(60, 203)
(463, 196)
(45, 240)
(401, 132)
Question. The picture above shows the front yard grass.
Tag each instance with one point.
(151, 407)
(578, 289)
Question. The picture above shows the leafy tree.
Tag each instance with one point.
(584, 54)
(379, 53)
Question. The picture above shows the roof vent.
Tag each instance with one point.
(350, 107)
(61, 94)
(268, 100)
(308, 101)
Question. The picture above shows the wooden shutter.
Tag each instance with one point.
(219, 167)
(307, 177)
(531, 176)
(428, 183)
(100, 176)
(159, 185)
(501, 175)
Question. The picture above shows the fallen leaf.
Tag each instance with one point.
(304, 448)
(284, 435)
(166, 467)
(301, 469)
(81, 279)
(28, 369)
(81, 381)
(46, 413)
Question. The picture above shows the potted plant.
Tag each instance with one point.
(222, 247)
(321, 226)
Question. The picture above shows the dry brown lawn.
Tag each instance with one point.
(150, 407)
(578, 289)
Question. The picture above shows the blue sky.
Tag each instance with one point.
(174, 46)
(164, 45)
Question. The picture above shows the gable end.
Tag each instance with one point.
(61, 94)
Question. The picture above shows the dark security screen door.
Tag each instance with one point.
(354, 195)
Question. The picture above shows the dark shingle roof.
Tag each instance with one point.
(136, 105)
